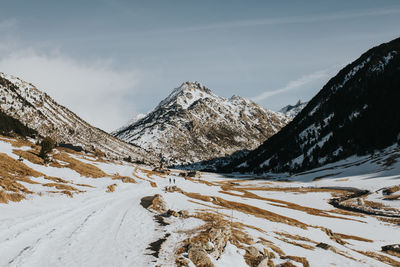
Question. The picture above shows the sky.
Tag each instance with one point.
(109, 61)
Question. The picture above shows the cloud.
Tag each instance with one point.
(8, 24)
(291, 20)
(298, 83)
(96, 91)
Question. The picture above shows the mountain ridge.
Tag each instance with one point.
(38, 111)
(348, 116)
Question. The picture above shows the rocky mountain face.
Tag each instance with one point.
(36, 110)
(356, 113)
(292, 111)
(192, 124)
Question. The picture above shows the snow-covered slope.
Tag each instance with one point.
(37, 110)
(192, 124)
(82, 211)
(292, 111)
(356, 112)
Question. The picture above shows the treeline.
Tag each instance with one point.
(10, 126)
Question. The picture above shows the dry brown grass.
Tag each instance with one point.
(353, 237)
(85, 185)
(6, 197)
(248, 209)
(111, 188)
(99, 154)
(152, 184)
(64, 192)
(392, 197)
(11, 173)
(272, 246)
(150, 173)
(305, 246)
(380, 257)
(82, 168)
(375, 206)
(285, 204)
(301, 260)
(347, 213)
(10, 166)
(296, 237)
(61, 186)
(56, 179)
(392, 253)
(229, 187)
(287, 264)
(124, 179)
(197, 196)
(32, 156)
(18, 142)
(12, 185)
(395, 221)
(391, 190)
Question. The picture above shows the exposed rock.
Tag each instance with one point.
(158, 204)
(172, 188)
(254, 257)
(324, 246)
(212, 240)
(392, 249)
(390, 190)
(200, 257)
(253, 251)
(172, 213)
(183, 213)
(194, 174)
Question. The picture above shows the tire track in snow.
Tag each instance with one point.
(107, 230)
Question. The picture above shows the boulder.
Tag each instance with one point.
(393, 248)
(158, 204)
(184, 213)
(324, 246)
(194, 174)
(213, 240)
(200, 257)
(253, 251)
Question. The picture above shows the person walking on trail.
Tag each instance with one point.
(174, 180)
(169, 180)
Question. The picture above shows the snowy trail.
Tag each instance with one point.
(90, 230)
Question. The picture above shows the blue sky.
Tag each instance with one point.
(109, 60)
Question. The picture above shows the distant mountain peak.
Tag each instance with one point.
(292, 111)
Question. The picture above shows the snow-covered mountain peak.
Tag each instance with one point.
(186, 94)
(194, 124)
